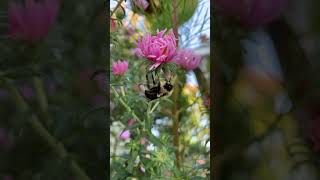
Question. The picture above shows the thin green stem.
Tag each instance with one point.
(148, 121)
(115, 149)
(122, 91)
(154, 107)
(42, 100)
(126, 106)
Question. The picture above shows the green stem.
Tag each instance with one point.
(148, 121)
(154, 107)
(37, 126)
(115, 149)
(42, 100)
(122, 91)
(126, 106)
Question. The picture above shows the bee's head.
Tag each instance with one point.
(168, 86)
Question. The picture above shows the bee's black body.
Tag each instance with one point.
(159, 89)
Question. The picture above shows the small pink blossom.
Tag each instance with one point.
(32, 21)
(201, 161)
(142, 141)
(187, 59)
(142, 169)
(159, 48)
(130, 122)
(124, 135)
(141, 4)
(120, 67)
(113, 25)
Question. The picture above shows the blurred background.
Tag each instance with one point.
(53, 110)
(266, 90)
(178, 145)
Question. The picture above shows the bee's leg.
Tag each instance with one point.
(148, 83)
(154, 82)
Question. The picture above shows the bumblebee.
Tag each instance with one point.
(156, 88)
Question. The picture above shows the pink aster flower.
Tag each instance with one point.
(130, 122)
(124, 135)
(187, 59)
(159, 48)
(252, 13)
(120, 67)
(32, 21)
(141, 4)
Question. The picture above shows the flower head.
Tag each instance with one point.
(141, 4)
(124, 135)
(252, 13)
(120, 67)
(201, 161)
(187, 59)
(32, 21)
(130, 122)
(158, 49)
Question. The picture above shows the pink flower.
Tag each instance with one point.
(113, 25)
(142, 141)
(120, 67)
(201, 161)
(130, 122)
(32, 21)
(158, 49)
(142, 169)
(124, 135)
(252, 13)
(141, 4)
(187, 59)
(26, 91)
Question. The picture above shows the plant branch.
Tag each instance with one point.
(126, 106)
(37, 126)
(42, 100)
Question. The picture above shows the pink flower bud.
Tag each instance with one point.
(201, 161)
(124, 135)
(120, 67)
(113, 25)
(130, 122)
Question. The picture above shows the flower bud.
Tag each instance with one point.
(120, 13)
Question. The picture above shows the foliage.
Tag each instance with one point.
(60, 126)
(170, 133)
